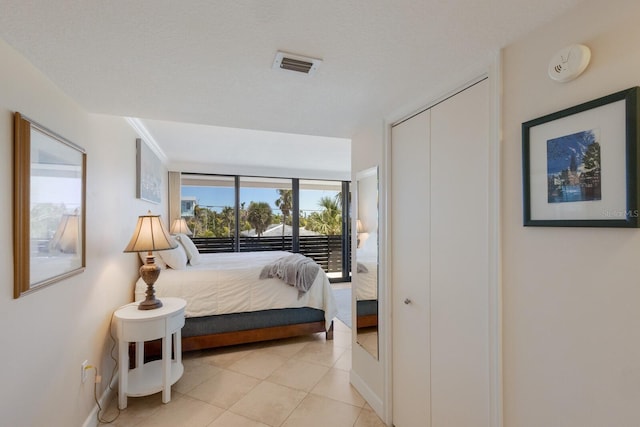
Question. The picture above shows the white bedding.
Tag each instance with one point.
(367, 282)
(367, 256)
(229, 283)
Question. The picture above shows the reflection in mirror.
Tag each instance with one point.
(366, 256)
(49, 207)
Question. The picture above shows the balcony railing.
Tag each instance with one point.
(325, 250)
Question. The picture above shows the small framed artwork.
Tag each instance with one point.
(580, 165)
(148, 173)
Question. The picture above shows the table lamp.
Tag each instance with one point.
(180, 226)
(150, 235)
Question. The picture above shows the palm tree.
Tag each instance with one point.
(338, 199)
(330, 205)
(285, 203)
(229, 216)
(329, 220)
(259, 216)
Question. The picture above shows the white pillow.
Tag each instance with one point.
(193, 255)
(175, 258)
(156, 259)
(370, 245)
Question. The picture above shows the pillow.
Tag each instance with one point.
(369, 247)
(156, 259)
(193, 255)
(175, 258)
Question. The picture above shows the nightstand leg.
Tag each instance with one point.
(177, 346)
(123, 362)
(166, 369)
(139, 354)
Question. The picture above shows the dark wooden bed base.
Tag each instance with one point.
(153, 349)
(367, 313)
(254, 335)
(367, 320)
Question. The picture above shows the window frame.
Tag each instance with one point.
(295, 187)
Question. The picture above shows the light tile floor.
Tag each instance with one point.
(298, 382)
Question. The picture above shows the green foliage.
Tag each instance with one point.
(209, 223)
(259, 215)
(45, 218)
(592, 156)
(328, 221)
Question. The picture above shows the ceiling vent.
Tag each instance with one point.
(296, 63)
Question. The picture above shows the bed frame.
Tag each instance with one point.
(367, 313)
(223, 330)
(254, 335)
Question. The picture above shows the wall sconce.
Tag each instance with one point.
(150, 235)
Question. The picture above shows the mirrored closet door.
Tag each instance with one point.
(365, 283)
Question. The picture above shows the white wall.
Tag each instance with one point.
(367, 373)
(571, 296)
(46, 335)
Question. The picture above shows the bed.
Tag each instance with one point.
(367, 283)
(228, 303)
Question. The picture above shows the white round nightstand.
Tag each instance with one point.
(133, 325)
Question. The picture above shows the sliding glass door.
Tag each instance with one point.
(238, 213)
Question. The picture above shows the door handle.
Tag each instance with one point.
(407, 301)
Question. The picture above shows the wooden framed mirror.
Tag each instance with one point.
(49, 187)
(367, 259)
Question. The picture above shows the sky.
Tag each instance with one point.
(218, 197)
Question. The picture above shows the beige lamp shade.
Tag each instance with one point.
(180, 226)
(67, 235)
(150, 235)
(359, 227)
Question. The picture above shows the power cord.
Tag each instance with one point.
(98, 379)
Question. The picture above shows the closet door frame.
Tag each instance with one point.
(492, 72)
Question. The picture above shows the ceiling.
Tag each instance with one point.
(209, 62)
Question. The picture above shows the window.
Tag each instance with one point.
(321, 224)
(208, 204)
(232, 213)
(266, 206)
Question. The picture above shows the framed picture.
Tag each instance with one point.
(580, 165)
(148, 173)
(49, 187)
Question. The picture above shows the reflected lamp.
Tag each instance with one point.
(65, 239)
(150, 235)
(180, 226)
(361, 234)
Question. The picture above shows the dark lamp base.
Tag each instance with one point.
(150, 304)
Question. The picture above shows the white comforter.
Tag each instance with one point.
(229, 283)
(367, 282)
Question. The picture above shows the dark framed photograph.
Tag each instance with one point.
(580, 165)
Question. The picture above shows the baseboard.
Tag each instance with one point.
(372, 399)
(105, 399)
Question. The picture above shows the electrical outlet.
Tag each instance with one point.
(83, 374)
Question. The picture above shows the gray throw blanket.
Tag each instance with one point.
(361, 268)
(296, 270)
